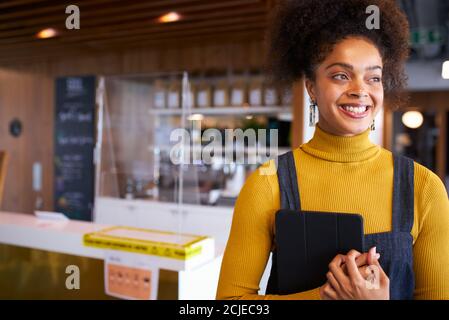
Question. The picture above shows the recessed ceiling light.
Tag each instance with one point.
(169, 17)
(47, 33)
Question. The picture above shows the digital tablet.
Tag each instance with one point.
(307, 241)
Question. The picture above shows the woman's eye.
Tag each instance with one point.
(376, 79)
(340, 77)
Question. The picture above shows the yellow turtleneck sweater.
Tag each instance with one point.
(337, 174)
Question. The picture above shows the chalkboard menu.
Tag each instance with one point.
(74, 146)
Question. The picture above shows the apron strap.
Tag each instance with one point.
(289, 193)
(403, 194)
(288, 182)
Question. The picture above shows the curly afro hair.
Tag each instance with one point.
(304, 32)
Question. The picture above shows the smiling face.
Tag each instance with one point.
(348, 87)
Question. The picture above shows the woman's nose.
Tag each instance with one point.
(357, 89)
(358, 93)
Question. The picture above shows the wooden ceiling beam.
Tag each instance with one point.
(117, 14)
(43, 10)
(8, 37)
(88, 16)
(145, 32)
(213, 38)
(82, 52)
(107, 25)
(123, 41)
(17, 3)
(132, 41)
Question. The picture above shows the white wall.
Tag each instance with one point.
(426, 75)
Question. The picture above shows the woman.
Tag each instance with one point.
(348, 69)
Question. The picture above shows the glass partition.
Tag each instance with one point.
(135, 151)
(154, 131)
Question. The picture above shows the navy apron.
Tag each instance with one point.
(395, 247)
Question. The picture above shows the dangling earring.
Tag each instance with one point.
(373, 125)
(312, 113)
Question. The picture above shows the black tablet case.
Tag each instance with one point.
(306, 242)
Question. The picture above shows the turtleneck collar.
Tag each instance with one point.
(341, 149)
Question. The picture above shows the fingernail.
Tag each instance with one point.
(374, 249)
(377, 256)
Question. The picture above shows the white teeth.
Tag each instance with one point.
(355, 109)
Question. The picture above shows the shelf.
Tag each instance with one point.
(224, 111)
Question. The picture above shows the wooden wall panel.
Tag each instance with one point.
(26, 94)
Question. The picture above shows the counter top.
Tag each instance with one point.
(66, 237)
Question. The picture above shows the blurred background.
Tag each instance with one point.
(91, 90)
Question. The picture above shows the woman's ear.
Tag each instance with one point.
(310, 87)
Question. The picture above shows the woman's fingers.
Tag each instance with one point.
(371, 255)
(336, 268)
(329, 292)
(352, 267)
(348, 275)
(333, 282)
(365, 258)
(384, 280)
(354, 275)
(362, 260)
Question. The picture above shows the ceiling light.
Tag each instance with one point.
(195, 117)
(169, 17)
(47, 33)
(412, 119)
(445, 72)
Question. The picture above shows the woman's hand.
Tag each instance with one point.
(356, 276)
(328, 293)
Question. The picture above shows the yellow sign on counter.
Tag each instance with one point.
(146, 241)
